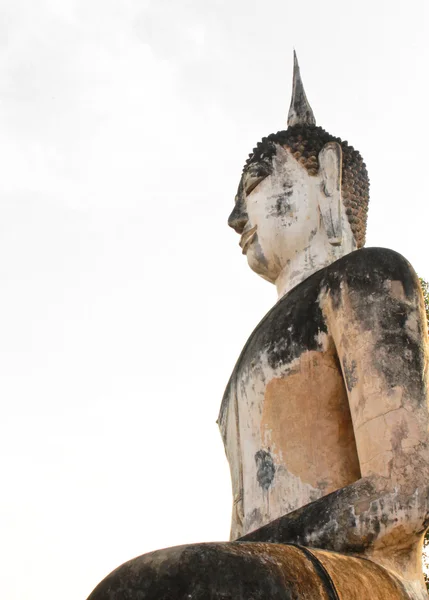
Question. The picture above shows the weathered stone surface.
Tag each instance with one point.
(243, 571)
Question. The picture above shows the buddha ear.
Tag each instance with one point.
(330, 167)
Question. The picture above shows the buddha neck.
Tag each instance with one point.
(318, 255)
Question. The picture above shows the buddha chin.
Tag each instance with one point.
(258, 262)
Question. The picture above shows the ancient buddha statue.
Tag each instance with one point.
(325, 417)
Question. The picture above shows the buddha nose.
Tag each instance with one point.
(238, 218)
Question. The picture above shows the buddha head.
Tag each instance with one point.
(303, 194)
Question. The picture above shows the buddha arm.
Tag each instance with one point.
(375, 315)
(379, 328)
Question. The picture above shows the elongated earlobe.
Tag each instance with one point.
(330, 162)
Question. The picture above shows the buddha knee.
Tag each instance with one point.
(239, 570)
(243, 570)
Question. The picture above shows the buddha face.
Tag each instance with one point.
(276, 214)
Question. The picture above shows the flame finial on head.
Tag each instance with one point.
(300, 110)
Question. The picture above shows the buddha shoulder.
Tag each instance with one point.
(374, 284)
(371, 273)
(365, 278)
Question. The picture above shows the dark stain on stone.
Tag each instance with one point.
(312, 233)
(385, 518)
(291, 327)
(376, 525)
(350, 373)
(265, 468)
(255, 517)
(324, 575)
(282, 206)
(259, 252)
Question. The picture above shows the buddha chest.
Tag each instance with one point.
(285, 417)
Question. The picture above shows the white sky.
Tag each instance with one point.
(124, 298)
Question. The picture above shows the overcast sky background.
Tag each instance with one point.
(124, 297)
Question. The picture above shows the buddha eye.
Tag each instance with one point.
(253, 176)
(251, 182)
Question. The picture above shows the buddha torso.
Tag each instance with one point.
(285, 417)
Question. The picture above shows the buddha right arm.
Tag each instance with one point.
(375, 316)
(343, 521)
